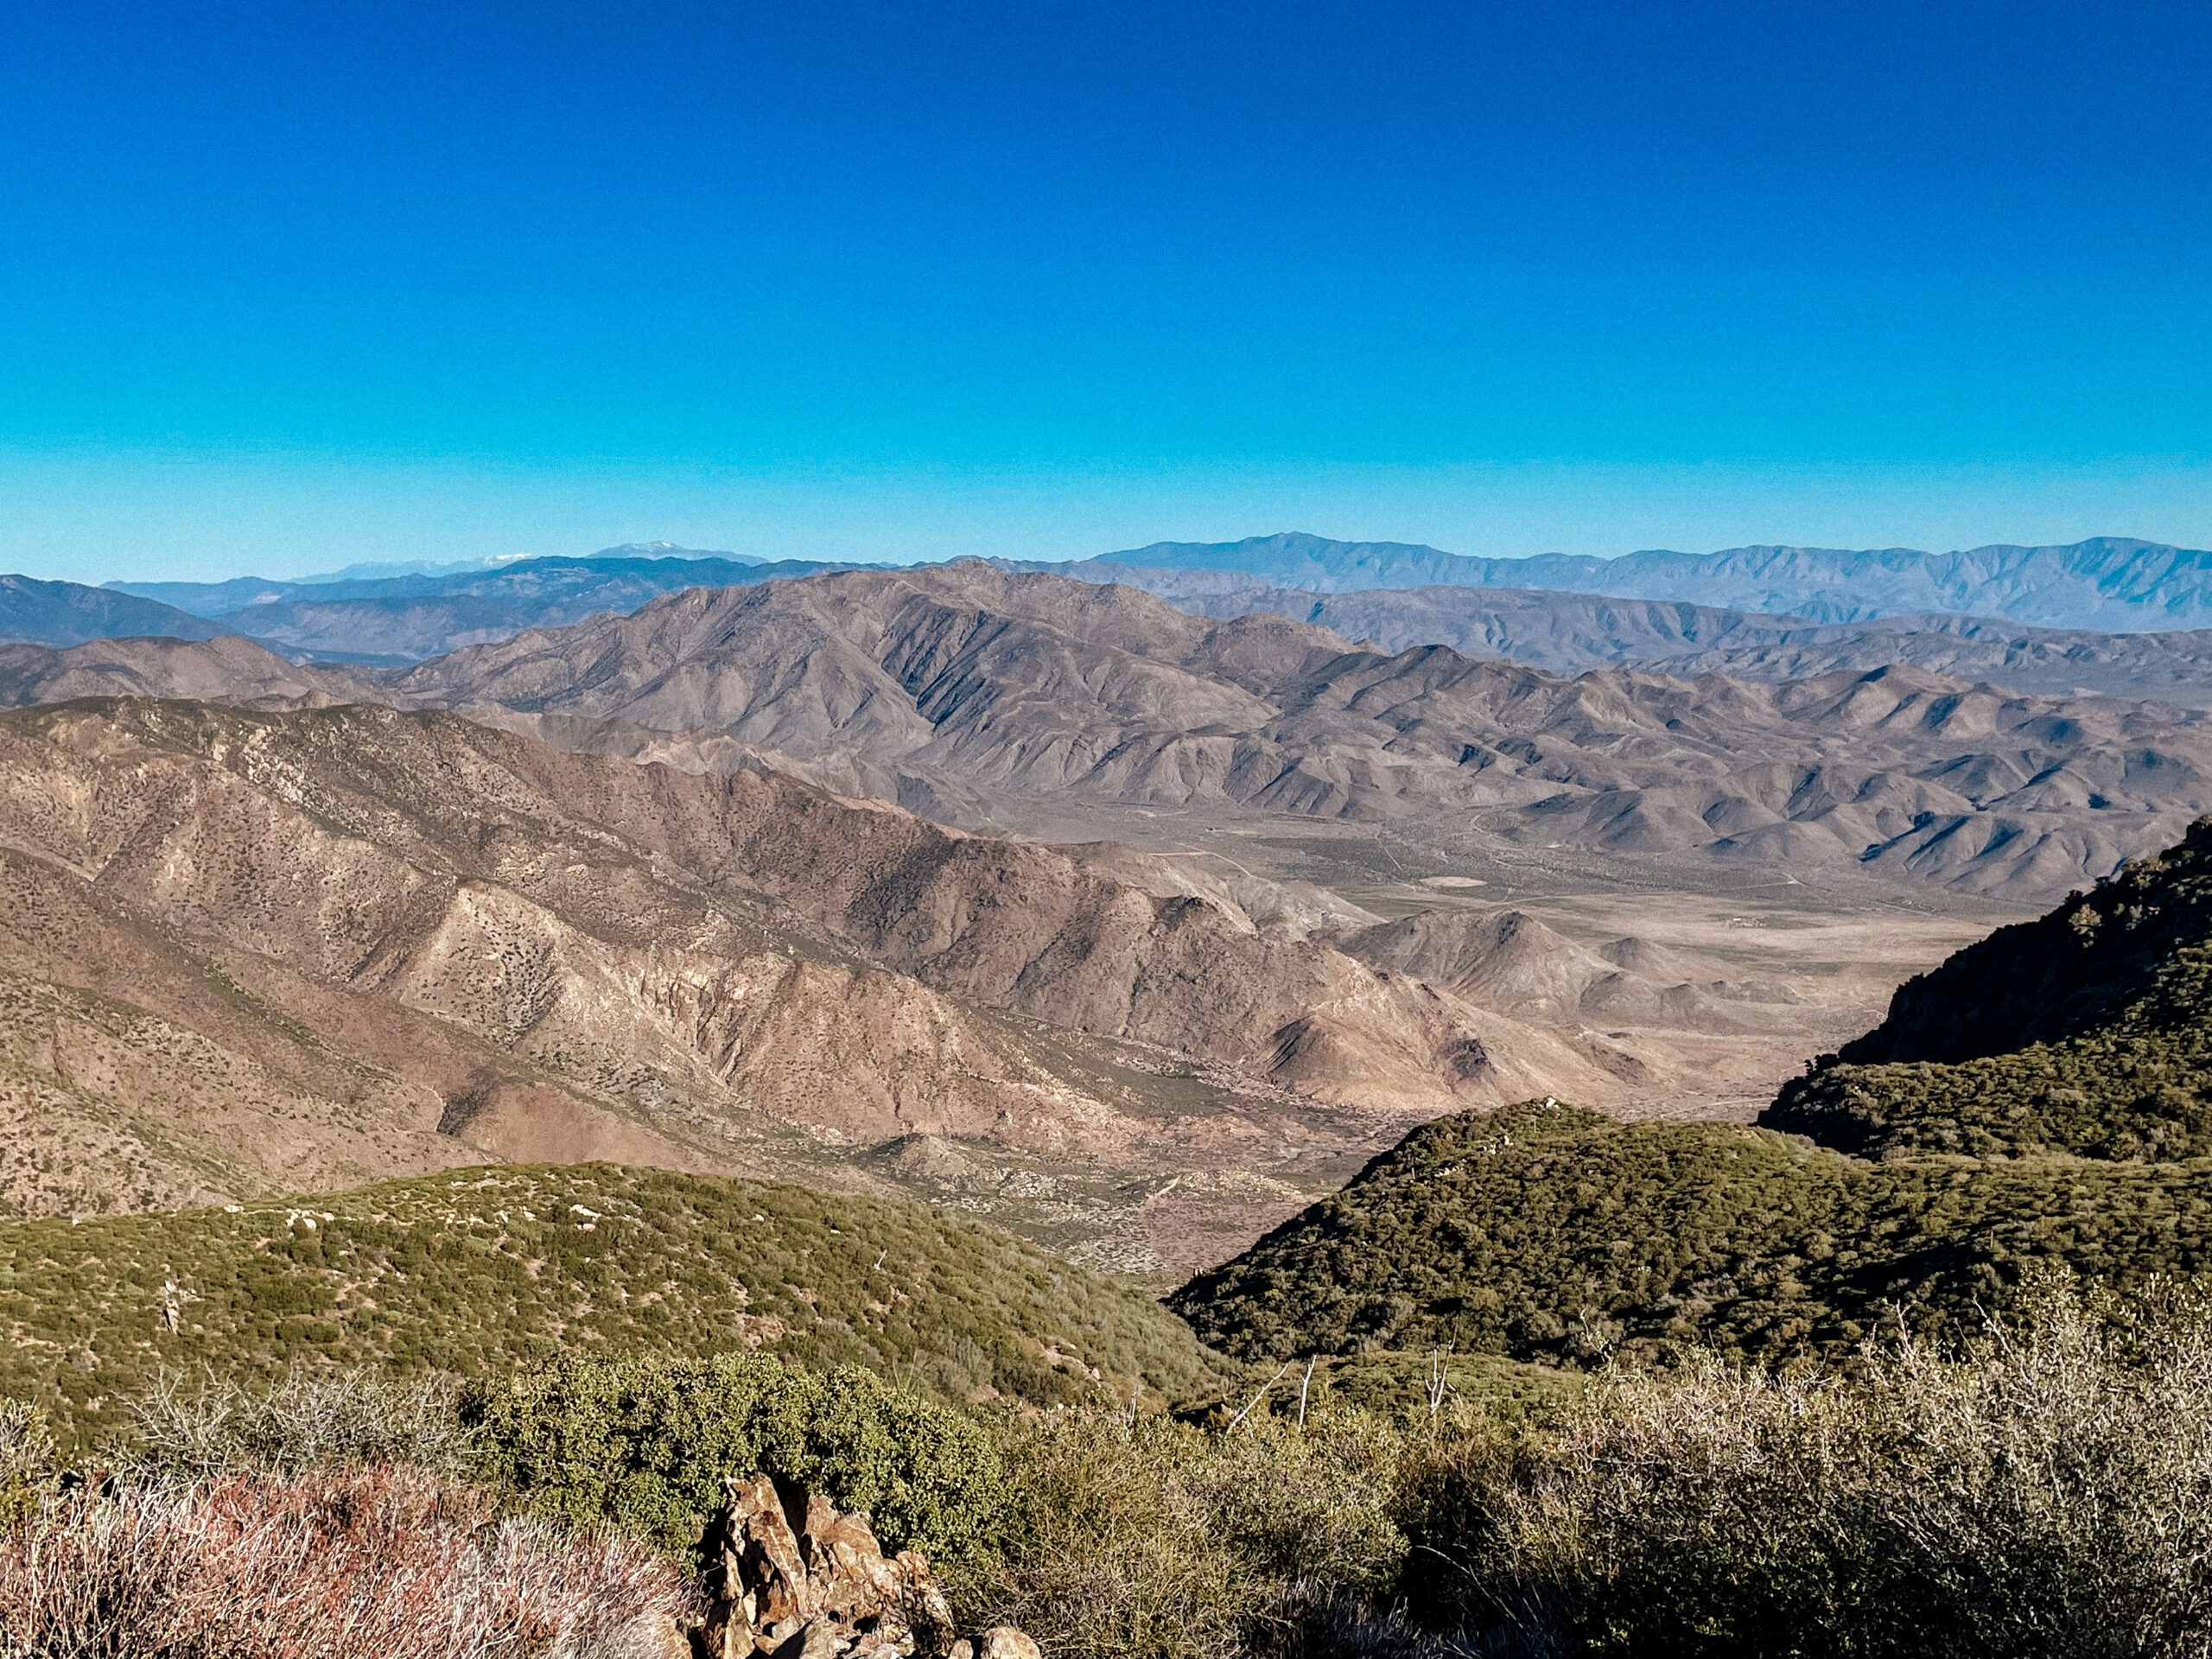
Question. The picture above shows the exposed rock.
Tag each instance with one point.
(999, 1642)
(651, 1635)
(824, 1587)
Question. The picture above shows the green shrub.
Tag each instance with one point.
(646, 1444)
(2088, 1031)
(477, 1273)
(2136, 1088)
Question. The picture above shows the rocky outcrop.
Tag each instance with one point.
(789, 1575)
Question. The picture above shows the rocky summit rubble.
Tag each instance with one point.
(824, 1587)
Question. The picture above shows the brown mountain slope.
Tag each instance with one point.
(967, 687)
(1564, 632)
(2174, 667)
(1510, 962)
(227, 669)
(240, 951)
(1570, 632)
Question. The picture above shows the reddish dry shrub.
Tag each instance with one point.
(394, 1564)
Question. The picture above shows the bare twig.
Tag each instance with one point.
(1255, 1399)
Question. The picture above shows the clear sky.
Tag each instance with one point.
(282, 287)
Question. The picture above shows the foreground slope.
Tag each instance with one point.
(1546, 1231)
(480, 1271)
(2044, 1095)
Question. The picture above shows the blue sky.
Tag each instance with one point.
(285, 287)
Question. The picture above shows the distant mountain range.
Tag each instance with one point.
(418, 580)
(974, 695)
(949, 688)
(1568, 633)
(69, 614)
(405, 618)
(2048, 619)
(2107, 582)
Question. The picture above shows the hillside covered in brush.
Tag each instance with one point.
(1549, 1231)
(478, 1272)
(2043, 1097)
(2088, 1031)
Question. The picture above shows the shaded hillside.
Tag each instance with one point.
(2088, 1031)
(955, 688)
(484, 1271)
(246, 951)
(68, 614)
(1549, 1231)
(2108, 582)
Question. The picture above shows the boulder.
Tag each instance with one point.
(792, 1577)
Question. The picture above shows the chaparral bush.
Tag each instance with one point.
(308, 1420)
(646, 1444)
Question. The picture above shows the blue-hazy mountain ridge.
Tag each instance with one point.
(2111, 582)
(538, 578)
(2072, 616)
(406, 617)
(62, 614)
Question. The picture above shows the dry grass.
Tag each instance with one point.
(306, 1421)
(1144, 1538)
(27, 1465)
(2048, 1491)
(399, 1565)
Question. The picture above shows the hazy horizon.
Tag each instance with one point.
(288, 290)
